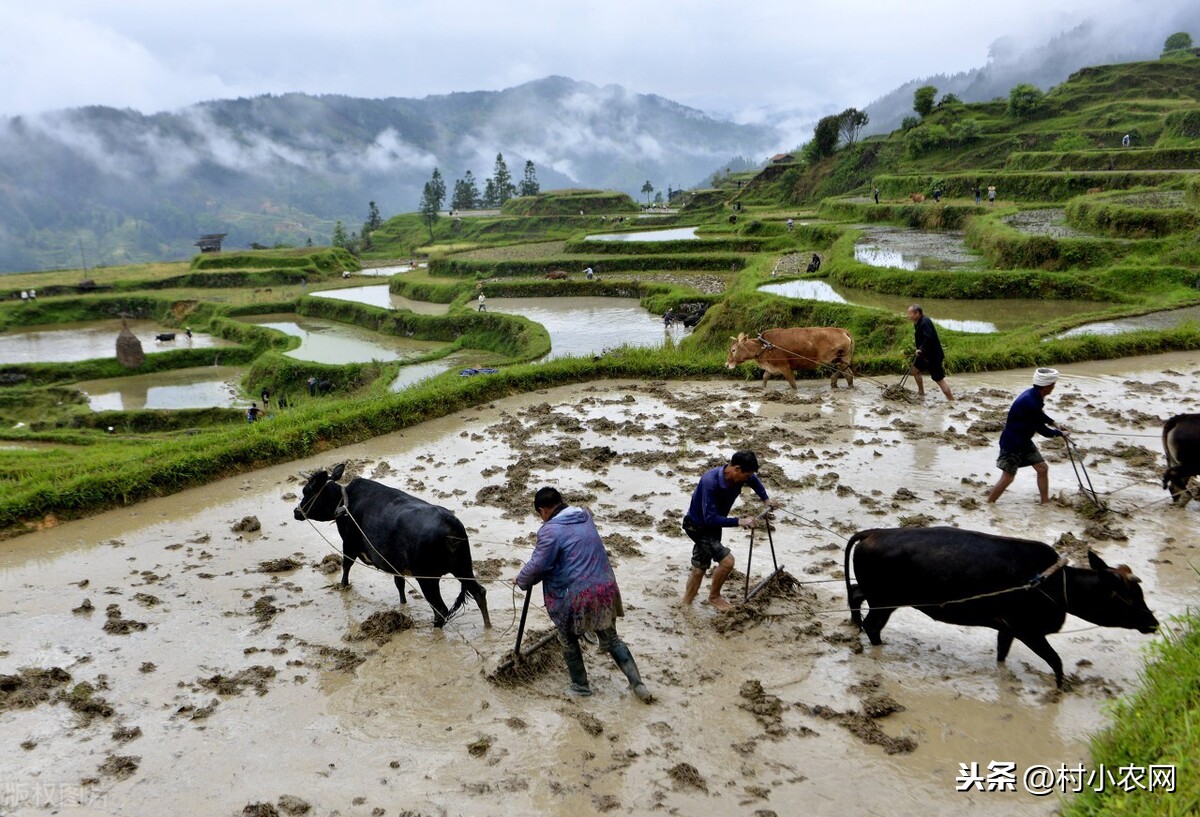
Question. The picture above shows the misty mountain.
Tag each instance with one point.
(1012, 61)
(98, 185)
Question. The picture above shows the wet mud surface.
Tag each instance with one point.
(156, 660)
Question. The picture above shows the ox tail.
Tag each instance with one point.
(459, 547)
(854, 596)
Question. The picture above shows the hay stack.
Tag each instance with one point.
(129, 348)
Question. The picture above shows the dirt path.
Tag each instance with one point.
(155, 660)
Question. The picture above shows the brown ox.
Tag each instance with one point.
(1095, 189)
(557, 275)
(917, 198)
(783, 351)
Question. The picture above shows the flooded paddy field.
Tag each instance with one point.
(672, 234)
(176, 660)
(1047, 221)
(176, 389)
(905, 248)
(1167, 319)
(982, 316)
(589, 325)
(379, 295)
(89, 340)
(334, 343)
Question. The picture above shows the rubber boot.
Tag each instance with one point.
(579, 680)
(624, 659)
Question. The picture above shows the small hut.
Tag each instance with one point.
(129, 348)
(210, 242)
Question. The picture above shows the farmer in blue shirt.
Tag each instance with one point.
(712, 500)
(579, 587)
(1017, 448)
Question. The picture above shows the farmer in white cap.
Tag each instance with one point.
(1017, 449)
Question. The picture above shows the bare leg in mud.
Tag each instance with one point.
(724, 568)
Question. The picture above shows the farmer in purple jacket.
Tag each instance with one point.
(579, 587)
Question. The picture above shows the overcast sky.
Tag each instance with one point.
(732, 57)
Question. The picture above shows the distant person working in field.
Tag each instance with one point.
(1017, 448)
(579, 587)
(991, 194)
(482, 303)
(1125, 141)
(978, 195)
(712, 500)
(929, 357)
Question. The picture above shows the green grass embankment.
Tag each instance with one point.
(1159, 725)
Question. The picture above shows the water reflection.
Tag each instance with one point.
(335, 343)
(1168, 319)
(378, 295)
(90, 340)
(179, 389)
(908, 249)
(975, 316)
(588, 326)
(676, 234)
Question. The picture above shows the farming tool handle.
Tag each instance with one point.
(521, 626)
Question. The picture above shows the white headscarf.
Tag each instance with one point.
(1045, 377)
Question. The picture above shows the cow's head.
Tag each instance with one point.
(1175, 480)
(321, 496)
(1124, 605)
(744, 348)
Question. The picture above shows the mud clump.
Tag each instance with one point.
(766, 708)
(116, 625)
(256, 676)
(480, 746)
(590, 723)
(619, 544)
(294, 805)
(248, 524)
(1073, 547)
(120, 766)
(124, 734)
(379, 626)
(532, 662)
(278, 565)
(1104, 531)
(82, 700)
(781, 585)
(487, 570)
(331, 564)
(864, 728)
(633, 518)
(264, 611)
(687, 776)
(260, 810)
(84, 608)
(917, 520)
(30, 687)
(880, 706)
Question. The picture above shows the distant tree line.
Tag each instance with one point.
(497, 189)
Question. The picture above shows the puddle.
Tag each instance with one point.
(675, 234)
(960, 315)
(903, 248)
(336, 343)
(415, 726)
(1168, 319)
(89, 340)
(177, 389)
(417, 372)
(378, 295)
(588, 326)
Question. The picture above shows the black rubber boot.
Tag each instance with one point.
(624, 659)
(579, 680)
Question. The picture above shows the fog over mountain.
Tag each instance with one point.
(100, 185)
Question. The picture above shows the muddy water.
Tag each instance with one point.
(378, 295)
(178, 389)
(1168, 319)
(416, 725)
(1051, 221)
(904, 248)
(676, 234)
(336, 343)
(961, 315)
(394, 269)
(88, 340)
(588, 326)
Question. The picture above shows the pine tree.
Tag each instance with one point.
(340, 239)
(489, 194)
(502, 181)
(429, 206)
(438, 187)
(374, 221)
(529, 185)
(466, 193)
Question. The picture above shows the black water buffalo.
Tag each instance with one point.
(165, 336)
(396, 533)
(1015, 586)
(1181, 444)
